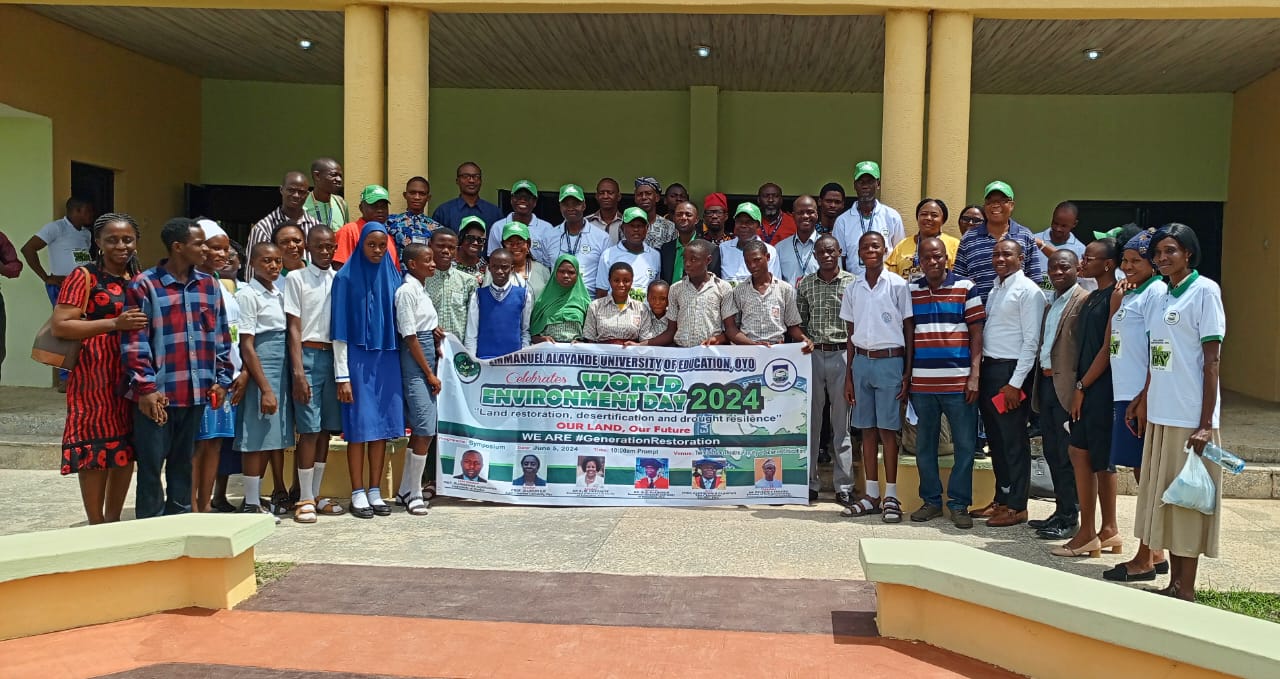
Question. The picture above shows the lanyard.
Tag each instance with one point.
(767, 235)
(571, 247)
(800, 261)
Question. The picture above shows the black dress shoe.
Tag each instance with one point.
(1058, 532)
(361, 512)
(1054, 521)
(1121, 574)
(1162, 568)
(381, 509)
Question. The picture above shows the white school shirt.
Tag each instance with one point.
(1191, 314)
(646, 266)
(877, 312)
(850, 226)
(588, 246)
(68, 246)
(261, 310)
(473, 312)
(796, 257)
(233, 326)
(733, 268)
(1015, 308)
(1128, 346)
(307, 294)
(537, 227)
(414, 311)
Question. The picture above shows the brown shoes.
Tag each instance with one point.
(1007, 517)
(988, 511)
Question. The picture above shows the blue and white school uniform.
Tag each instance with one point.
(416, 318)
(262, 317)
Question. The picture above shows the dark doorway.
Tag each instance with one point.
(1204, 217)
(95, 183)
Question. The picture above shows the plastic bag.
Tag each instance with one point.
(1192, 487)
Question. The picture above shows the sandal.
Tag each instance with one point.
(892, 510)
(863, 507)
(328, 507)
(428, 490)
(305, 512)
(280, 504)
(413, 505)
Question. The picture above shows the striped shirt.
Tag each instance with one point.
(943, 319)
(973, 259)
(261, 232)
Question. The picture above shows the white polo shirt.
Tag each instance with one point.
(261, 310)
(1129, 346)
(588, 246)
(850, 226)
(877, 312)
(537, 227)
(733, 268)
(307, 295)
(68, 246)
(645, 266)
(414, 311)
(1191, 315)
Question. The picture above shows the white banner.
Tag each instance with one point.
(598, 424)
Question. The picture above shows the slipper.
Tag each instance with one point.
(280, 504)
(413, 505)
(863, 507)
(1121, 574)
(305, 512)
(429, 490)
(328, 507)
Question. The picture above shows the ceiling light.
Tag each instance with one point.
(1093, 53)
(304, 44)
(702, 51)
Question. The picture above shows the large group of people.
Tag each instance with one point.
(330, 321)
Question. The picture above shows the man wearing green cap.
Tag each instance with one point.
(867, 214)
(973, 258)
(375, 203)
(574, 236)
(645, 262)
(746, 228)
(524, 199)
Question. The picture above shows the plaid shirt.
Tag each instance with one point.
(187, 348)
(450, 291)
(819, 303)
(764, 316)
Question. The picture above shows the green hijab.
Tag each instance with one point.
(558, 304)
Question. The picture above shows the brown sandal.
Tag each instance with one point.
(304, 512)
(892, 510)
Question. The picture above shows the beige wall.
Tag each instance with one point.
(1250, 276)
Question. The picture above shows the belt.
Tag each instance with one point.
(999, 361)
(895, 352)
(830, 347)
(1047, 372)
(322, 346)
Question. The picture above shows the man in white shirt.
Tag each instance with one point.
(646, 262)
(68, 241)
(795, 252)
(574, 236)
(746, 228)
(867, 214)
(524, 199)
(1015, 308)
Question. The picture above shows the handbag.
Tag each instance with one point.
(55, 351)
(1041, 479)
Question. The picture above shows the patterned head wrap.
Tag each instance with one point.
(650, 182)
(1141, 242)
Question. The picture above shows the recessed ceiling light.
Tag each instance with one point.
(304, 44)
(1093, 53)
(702, 51)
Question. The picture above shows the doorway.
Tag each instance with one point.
(1204, 217)
(98, 184)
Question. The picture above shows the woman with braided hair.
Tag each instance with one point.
(97, 444)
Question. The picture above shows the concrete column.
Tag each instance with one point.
(408, 28)
(951, 69)
(364, 96)
(704, 141)
(906, 40)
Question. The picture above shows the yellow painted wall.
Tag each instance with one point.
(1250, 244)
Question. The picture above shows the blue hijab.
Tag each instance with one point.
(364, 299)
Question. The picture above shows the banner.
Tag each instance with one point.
(598, 424)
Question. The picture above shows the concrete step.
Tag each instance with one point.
(18, 451)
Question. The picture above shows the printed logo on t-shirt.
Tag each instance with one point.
(81, 256)
(1115, 345)
(886, 317)
(1171, 318)
(1161, 355)
(1121, 314)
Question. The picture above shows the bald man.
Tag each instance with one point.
(795, 252)
(325, 204)
(293, 198)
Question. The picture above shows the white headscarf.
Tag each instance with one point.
(211, 228)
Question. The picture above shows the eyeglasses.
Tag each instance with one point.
(473, 239)
(971, 220)
(468, 175)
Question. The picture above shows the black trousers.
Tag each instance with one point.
(1056, 439)
(1007, 435)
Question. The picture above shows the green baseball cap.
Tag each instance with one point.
(374, 193)
(866, 167)
(524, 185)
(1109, 233)
(750, 209)
(1000, 186)
(634, 213)
(468, 221)
(515, 229)
(571, 191)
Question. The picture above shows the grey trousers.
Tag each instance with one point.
(829, 372)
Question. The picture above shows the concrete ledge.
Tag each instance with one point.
(337, 477)
(55, 580)
(1046, 623)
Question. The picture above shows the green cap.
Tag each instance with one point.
(467, 221)
(634, 213)
(524, 185)
(515, 229)
(1110, 233)
(1000, 186)
(866, 167)
(374, 193)
(571, 191)
(748, 209)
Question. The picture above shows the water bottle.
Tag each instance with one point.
(1224, 458)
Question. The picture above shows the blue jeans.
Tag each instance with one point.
(169, 446)
(963, 418)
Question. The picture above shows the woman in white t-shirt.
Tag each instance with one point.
(1180, 406)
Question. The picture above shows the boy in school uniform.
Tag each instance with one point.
(498, 317)
(416, 322)
(316, 414)
(450, 289)
(655, 322)
(696, 304)
(764, 310)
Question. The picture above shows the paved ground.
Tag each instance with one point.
(781, 542)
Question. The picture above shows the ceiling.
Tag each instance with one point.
(654, 51)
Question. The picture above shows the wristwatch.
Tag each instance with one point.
(1079, 385)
